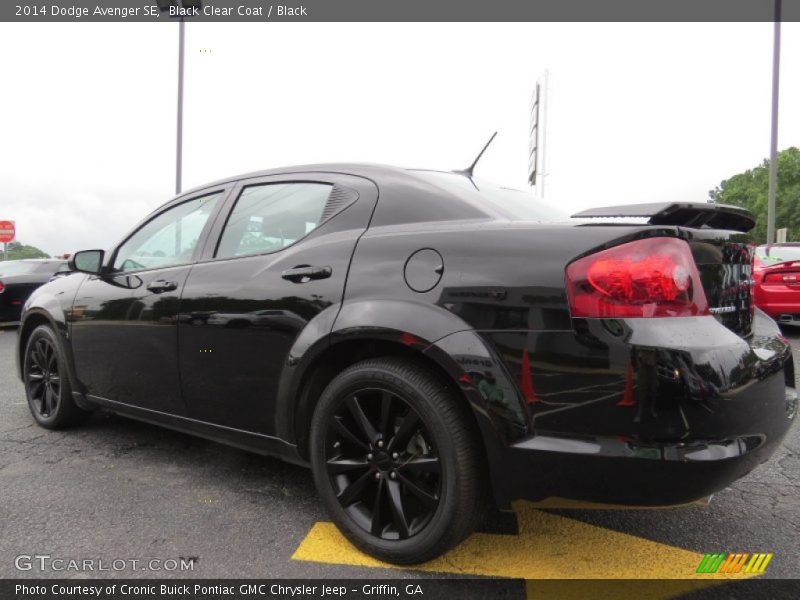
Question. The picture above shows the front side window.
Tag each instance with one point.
(269, 217)
(169, 239)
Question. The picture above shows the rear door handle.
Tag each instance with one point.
(304, 273)
(159, 286)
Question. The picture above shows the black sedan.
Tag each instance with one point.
(427, 343)
(18, 279)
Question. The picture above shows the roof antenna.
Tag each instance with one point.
(468, 171)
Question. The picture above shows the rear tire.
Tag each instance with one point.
(47, 386)
(397, 460)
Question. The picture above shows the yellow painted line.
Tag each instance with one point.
(547, 547)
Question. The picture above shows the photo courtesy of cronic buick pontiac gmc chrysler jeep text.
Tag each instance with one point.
(426, 342)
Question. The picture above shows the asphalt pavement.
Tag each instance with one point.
(117, 489)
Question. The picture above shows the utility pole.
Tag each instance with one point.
(187, 7)
(773, 152)
(179, 148)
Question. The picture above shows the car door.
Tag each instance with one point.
(276, 259)
(124, 323)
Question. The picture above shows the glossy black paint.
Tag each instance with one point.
(258, 310)
(646, 411)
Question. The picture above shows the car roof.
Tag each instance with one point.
(408, 195)
(375, 172)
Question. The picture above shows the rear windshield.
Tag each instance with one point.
(777, 254)
(21, 267)
(515, 205)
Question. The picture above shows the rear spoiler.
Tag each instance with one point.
(685, 214)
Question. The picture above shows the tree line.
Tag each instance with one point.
(750, 190)
(17, 251)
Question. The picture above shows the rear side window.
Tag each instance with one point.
(269, 217)
(777, 254)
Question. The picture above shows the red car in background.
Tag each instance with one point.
(776, 271)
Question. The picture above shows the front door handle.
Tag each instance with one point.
(304, 273)
(159, 286)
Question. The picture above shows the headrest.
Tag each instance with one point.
(292, 229)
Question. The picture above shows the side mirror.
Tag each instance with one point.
(87, 261)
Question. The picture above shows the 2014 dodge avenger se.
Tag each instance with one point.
(426, 342)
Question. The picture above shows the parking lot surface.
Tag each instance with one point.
(119, 489)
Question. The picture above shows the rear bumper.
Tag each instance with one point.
(10, 313)
(623, 471)
(11, 302)
(788, 318)
(656, 413)
(776, 300)
(776, 309)
(783, 313)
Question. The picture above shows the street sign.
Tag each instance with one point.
(781, 235)
(7, 231)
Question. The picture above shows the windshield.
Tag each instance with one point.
(18, 267)
(770, 255)
(512, 204)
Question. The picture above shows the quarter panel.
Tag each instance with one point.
(414, 324)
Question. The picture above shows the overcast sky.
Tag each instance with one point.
(639, 112)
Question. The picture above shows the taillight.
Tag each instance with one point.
(655, 277)
(2, 287)
(787, 278)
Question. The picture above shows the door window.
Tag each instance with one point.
(269, 217)
(169, 239)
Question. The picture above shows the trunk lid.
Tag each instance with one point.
(725, 262)
(722, 250)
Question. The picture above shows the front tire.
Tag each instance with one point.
(397, 460)
(47, 385)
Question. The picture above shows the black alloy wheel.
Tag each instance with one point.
(43, 378)
(383, 464)
(397, 460)
(47, 385)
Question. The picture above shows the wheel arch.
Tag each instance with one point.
(33, 318)
(50, 313)
(343, 352)
(354, 339)
(347, 333)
